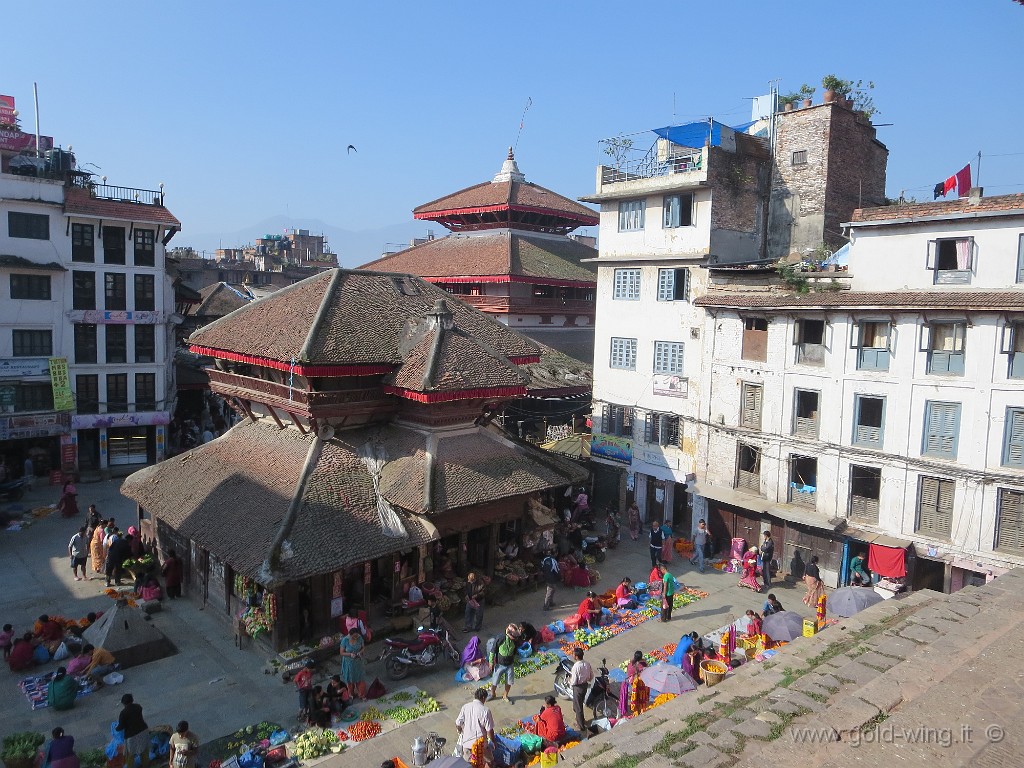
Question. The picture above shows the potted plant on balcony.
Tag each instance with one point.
(787, 100)
(806, 92)
(835, 87)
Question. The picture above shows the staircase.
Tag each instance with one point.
(930, 679)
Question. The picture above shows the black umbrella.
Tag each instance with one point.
(850, 600)
(783, 626)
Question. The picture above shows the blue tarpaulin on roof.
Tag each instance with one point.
(698, 134)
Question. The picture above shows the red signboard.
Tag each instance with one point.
(69, 456)
(7, 110)
(18, 141)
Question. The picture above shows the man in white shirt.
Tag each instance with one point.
(474, 723)
(78, 548)
(580, 676)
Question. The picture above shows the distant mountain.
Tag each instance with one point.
(353, 247)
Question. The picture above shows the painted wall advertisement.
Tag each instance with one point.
(63, 400)
(611, 447)
(671, 386)
(34, 425)
(108, 420)
(115, 316)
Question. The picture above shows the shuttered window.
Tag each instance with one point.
(748, 467)
(626, 285)
(865, 491)
(868, 427)
(623, 354)
(668, 357)
(874, 342)
(1013, 440)
(673, 284)
(661, 428)
(1010, 522)
(805, 412)
(617, 420)
(935, 506)
(944, 343)
(941, 429)
(750, 406)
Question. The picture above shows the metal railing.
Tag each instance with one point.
(127, 194)
(528, 306)
(651, 166)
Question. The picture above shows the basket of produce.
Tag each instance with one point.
(713, 671)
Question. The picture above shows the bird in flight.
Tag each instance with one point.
(352, 149)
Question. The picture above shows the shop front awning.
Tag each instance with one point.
(881, 539)
(761, 506)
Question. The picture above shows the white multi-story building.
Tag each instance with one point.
(699, 198)
(886, 417)
(86, 381)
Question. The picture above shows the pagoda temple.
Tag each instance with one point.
(511, 257)
(365, 460)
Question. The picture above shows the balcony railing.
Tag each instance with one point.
(127, 194)
(750, 481)
(654, 164)
(804, 495)
(537, 305)
(864, 509)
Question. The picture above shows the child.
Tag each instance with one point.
(7, 640)
(304, 685)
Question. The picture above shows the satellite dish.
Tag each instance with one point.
(326, 432)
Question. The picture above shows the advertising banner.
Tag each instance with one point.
(63, 400)
(19, 367)
(611, 447)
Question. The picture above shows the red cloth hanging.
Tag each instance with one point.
(963, 181)
(887, 561)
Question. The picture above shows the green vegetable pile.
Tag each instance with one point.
(316, 742)
(371, 713)
(22, 745)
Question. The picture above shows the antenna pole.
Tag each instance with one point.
(35, 93)
(977, 180)
(522, 122)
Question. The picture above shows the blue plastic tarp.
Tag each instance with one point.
(698, 134)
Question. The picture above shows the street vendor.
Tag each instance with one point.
(589, 611)
(529, 634)
(625, 595)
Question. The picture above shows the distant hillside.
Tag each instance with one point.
(353, 247)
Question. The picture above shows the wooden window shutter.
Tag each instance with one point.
(1010, 524)
(1014, 438)
(649, 431)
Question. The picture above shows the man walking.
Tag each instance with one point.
(767, 555)
(668, 591)
(476, 724)
(549, 565)
(136, 732)
(78, 548)
(657, 539)
(580, 676)
(502, 660)
(700, 541)
(120, 550)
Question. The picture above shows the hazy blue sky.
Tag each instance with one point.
(244, 109)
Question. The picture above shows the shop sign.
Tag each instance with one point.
(17, 367)
(611, 447)
(17, 141)
(109, 420)
(7, 397)
(114, 317)
(670, 386)
(63, 400)
(34, 425)
(658, 459)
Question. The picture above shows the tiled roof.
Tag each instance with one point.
(447, 360)
(558, 371)
(470, 467)
(8, 261)
(78, 202)
(218, 300)
(1012, 301)
(508, 194)
(348, 317)
(941, 208)
(222, 496)
(494, 253)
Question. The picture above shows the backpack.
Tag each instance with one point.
(502, 660)
(550, 566)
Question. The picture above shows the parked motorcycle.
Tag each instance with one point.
(429, 647)
(592, 545)
(14, 489)
(601, 695)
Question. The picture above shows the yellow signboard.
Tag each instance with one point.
(63, 400)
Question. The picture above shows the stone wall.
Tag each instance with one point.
(737, 180)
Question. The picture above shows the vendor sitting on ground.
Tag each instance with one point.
(62, 690)
(550, 723)
(508, 549)
(753, 624)
(151, 590)
(625, 596)
(338, 695)
(529, 634)
(21, 655)
(49, 633)
(102, 663)
(589, 611)
(78, 664)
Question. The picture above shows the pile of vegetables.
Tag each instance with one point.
(363, 730)
(316, 742)
(399, 714)
(22, 746)
(525, 666)
(371, 713)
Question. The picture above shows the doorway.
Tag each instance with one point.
(929, 574)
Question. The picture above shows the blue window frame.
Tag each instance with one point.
(631, 215)
(941, 429)
(1013, 438)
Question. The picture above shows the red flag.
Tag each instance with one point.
(949, 186)
(963, 181)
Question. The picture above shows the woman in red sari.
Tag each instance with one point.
(749, 579)
(634, 695)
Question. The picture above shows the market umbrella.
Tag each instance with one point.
(783, 626)
(665, 678)
(850, 600)
(449, 762)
